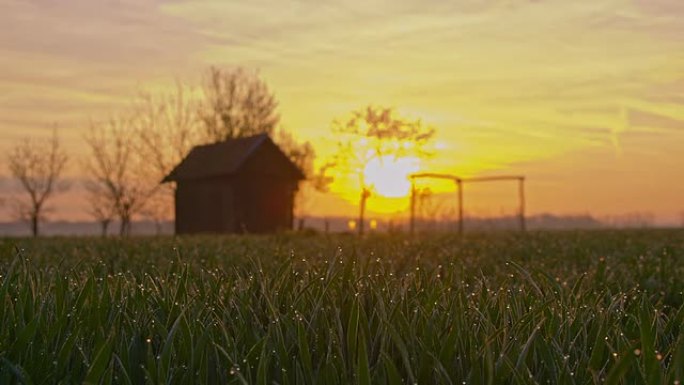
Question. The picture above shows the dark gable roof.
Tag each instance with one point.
(224, 158)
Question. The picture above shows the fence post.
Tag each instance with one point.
(459, 184)
(521, 191)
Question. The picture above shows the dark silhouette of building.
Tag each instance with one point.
(240, 185)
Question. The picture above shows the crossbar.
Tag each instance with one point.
(459, 185)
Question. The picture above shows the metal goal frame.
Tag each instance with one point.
(460, 182)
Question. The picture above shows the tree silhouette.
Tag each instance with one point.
(302, 154)
(113, 171)
(38, 167)
(165, 128)
(374, 133)
(101, 208)
(160, 130)
(237, 103)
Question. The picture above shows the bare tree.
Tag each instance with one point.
(237, 103)
(38, 167)
(113, 167)
(302, 154)
(374, 133)
(234, 103)
(167, 127)
(101, 207)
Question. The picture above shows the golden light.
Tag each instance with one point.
(389, 176)
(352, 225)
(373, 224)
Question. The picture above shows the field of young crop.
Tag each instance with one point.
(544, 308)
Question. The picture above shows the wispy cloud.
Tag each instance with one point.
(504, 81)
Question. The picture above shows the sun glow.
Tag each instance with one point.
(389, 177)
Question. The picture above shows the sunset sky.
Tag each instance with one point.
(585, 97)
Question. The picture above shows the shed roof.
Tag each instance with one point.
(223, 158)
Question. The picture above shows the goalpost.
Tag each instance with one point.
(459, 187)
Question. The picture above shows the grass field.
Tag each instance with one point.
(545, 308)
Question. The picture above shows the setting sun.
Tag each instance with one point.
(389, 176)
(398, 191)
(590, 94)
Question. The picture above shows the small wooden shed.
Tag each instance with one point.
(240, 185)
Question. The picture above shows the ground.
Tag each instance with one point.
(545, 307)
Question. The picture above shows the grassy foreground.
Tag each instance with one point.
(545, 308)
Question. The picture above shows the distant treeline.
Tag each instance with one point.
(341, 224)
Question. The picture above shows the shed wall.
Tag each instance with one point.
(205, 206)
(264, 204)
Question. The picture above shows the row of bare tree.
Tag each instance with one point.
(130, 153)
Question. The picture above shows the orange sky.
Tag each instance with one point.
(585, 97)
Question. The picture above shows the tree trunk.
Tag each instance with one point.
(362, 209)
(104, 225)
(125, 229)
(34, 224)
